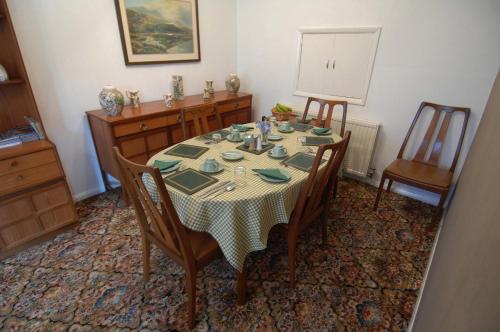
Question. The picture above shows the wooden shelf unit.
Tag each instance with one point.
(35, 200)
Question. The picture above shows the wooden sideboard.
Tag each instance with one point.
(35, 201)
(142, 132)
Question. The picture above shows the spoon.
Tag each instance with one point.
(227, 189)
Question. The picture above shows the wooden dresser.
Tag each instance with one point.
(35, 201)
(142, 132)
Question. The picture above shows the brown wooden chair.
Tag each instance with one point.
(330, 104)
(315, 198)
(423, 171)
(200, 116)
(161, 225)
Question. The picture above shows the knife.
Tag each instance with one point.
(214, 189)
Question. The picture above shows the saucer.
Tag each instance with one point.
(286, 131)
(270, 154)
(232, 140)
(274, 137)
(221, 168)
(231, 155)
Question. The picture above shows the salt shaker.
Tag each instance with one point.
(259, 143)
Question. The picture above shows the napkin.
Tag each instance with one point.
(321, 130)
(241, 127)
(273, 173)
(165, 164)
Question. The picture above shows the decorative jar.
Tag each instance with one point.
(111, 100)
(178, 87)
(233, 83)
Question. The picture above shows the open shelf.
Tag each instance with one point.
(12, 81)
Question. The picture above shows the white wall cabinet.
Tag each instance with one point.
(336, 63)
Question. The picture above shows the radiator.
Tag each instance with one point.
(361, 146)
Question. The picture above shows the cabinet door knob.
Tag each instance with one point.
(20, 178)
(144, 126)
(13, 163)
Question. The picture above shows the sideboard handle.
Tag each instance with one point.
(144, 126)
(20, 178)
(13, 163)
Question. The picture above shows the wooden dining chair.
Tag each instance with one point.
(330, 105)
(200, 116)
(422, 171)
(314, 199)
(160, 225)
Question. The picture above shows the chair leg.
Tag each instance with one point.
(379, 192)
(439, 209)
(389, 186)
(324, 224)
(191, 290)
(291, 261)
(146, 252)
(335, 182)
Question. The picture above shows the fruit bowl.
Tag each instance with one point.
(283, 112)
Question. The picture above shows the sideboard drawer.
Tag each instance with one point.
(26, 161)
(140, 126)
(234, 105)
(29, 177)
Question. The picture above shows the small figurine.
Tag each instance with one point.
(169, 100)
(133, 95)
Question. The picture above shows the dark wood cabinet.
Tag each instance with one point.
(142, 132)
(35, 201)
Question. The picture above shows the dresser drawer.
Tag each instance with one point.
(142, 125)
(32, 176)
(234, 105)
(26, 161)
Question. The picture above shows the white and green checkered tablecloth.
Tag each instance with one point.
(239, 220)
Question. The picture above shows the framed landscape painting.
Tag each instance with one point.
(159, 31)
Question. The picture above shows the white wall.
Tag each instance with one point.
(72, 48)
(445, 51)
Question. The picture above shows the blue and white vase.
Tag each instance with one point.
(111, 100)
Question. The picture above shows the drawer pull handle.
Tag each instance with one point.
(237, 105)
(13, 163)
(20, 178)
(144, 126)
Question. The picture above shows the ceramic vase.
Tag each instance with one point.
(210, 88)
(3, 74)
(178, 87)
(111, 100)
(233, 83)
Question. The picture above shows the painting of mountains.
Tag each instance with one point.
(156, 31)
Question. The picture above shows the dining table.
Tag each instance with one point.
(240, 219)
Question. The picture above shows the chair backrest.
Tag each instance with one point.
(437, 147)
(330, 104)
(319, 185)
(199, 115)
(159, 223)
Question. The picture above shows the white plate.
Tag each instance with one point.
(221, 168)
(291, 130)
(275, 137)
(231, 155)
(171, 169)
(234, 141)
(272, 180)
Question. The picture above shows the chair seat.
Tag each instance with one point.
(421, 173)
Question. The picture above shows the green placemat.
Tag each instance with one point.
(301, 126)
(190, 181)
(223, 133)
(302, 161)
(314, 140)
(187, 151)
(268, 147)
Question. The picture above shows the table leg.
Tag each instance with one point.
(241, 286)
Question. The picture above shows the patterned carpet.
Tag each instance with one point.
(89, 279)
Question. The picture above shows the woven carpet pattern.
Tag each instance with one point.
(90, 278)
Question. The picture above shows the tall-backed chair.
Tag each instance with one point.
(329, 104)
(200, 115)
(160, 225)
(422, 171)
(314, 199)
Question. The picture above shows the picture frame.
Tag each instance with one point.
(159, 31)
